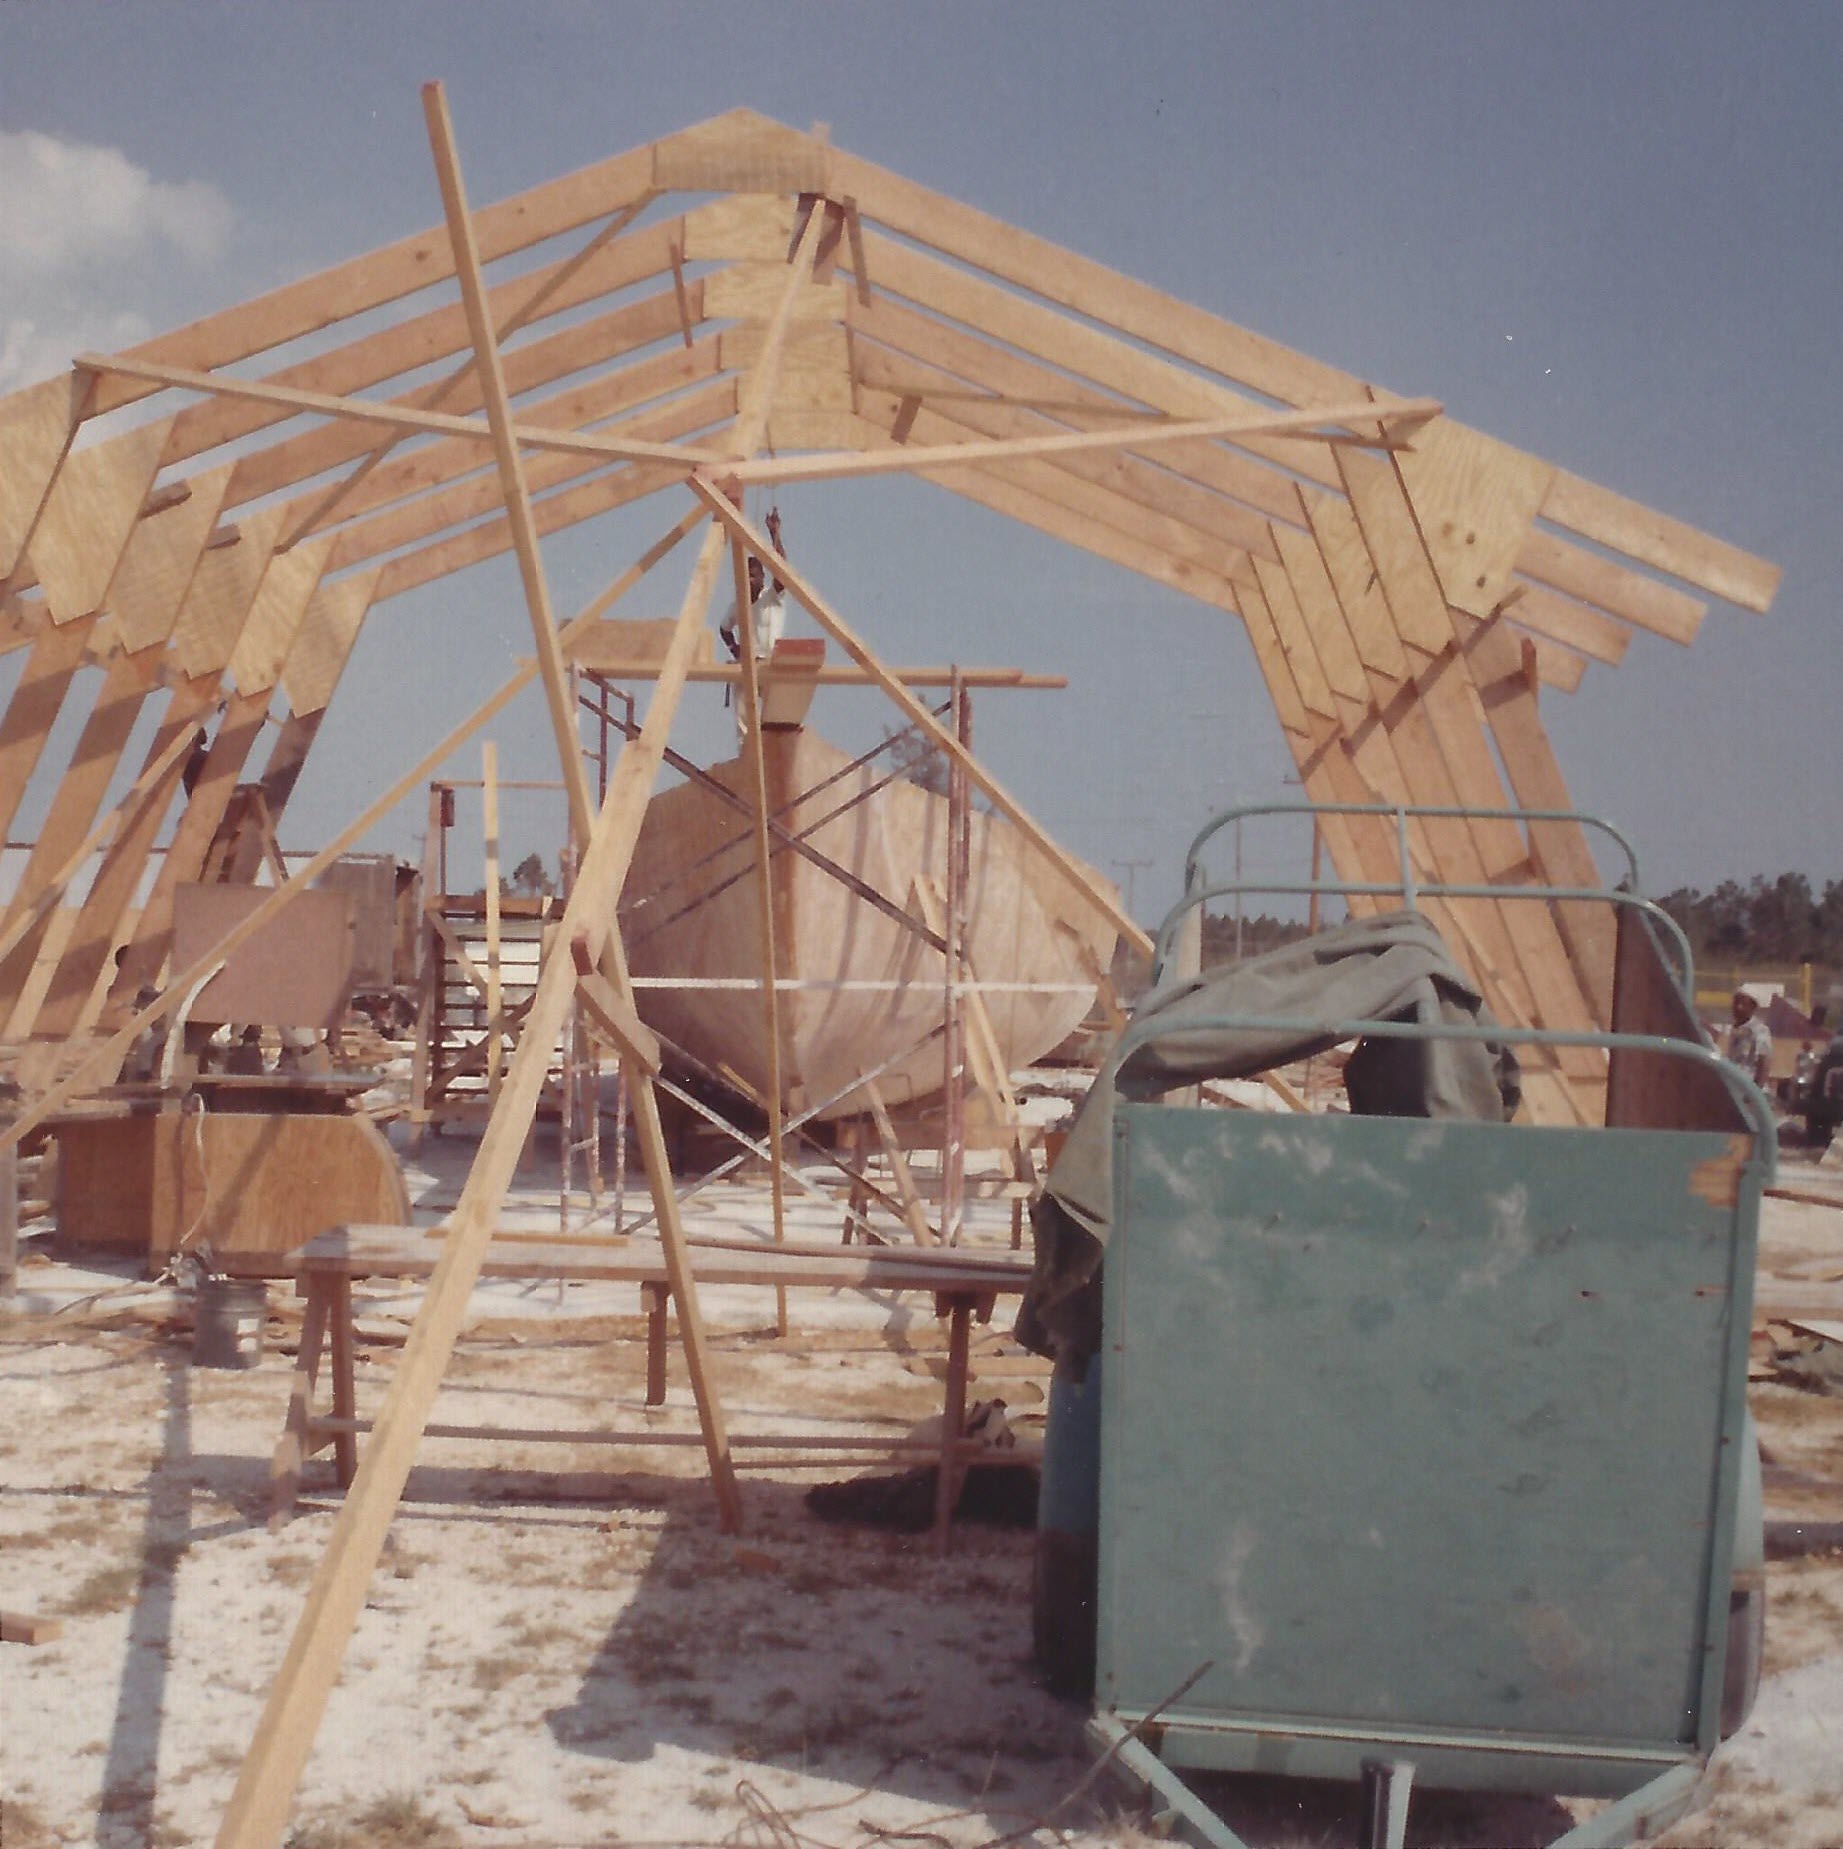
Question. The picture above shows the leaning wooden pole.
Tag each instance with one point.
(773, 560)
(749, 691)
(264, 1793)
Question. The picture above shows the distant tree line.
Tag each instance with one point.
(1258, 933)
(1780, 920)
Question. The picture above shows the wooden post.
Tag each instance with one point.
(953, 1041)
(495, 1012)
(9, 1220)
(764, 870)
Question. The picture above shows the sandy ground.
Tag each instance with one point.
(554, 1655)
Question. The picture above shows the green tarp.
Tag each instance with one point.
(1391, 968)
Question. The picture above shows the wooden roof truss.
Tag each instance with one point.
(737, 303)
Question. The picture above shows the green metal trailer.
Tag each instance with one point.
(1424, 1445)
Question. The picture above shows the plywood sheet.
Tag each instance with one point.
(250, 1182)
(1476, 500)
(223, 588)
(752, 292)
(35, 429)
(328, 630)
(275, 617)
(741, 153)
(156, 568)
(749, 226)
(294, 972)
(89, 513)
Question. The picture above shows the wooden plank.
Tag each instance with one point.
(1295, 643)
(1324, 771)
(621, 646)
(443, 389)
(972, 358)
(20, 621)
(495, 995)
(1561, 619)
(1560, 849)
(1476, 500)
(390, 273)
(741, 152)
(914, 1212)
(1454, 715)
(1121, 493)
(221, 594)
(1359, 591)
(378, 411)
(93, 934)
(613, 1020)
(596, 492)
(749, 292)
(1160, 490)
(1133, 307)
(1239, 426)
(770, 953)
(1276, 669)
(29, 1628)
(1556, 667)
(36, 428)
(529, 367)
(38, 696)
(405, 347)
(1641, 533)
(32, 913)
(1087, 352)
(260, 1803)
(163, 552)
(1317, 602)
(1404, 573)
(1626, 594)
(66, 836)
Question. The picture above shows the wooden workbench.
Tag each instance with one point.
(965, 1284)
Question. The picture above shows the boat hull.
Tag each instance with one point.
(872, 989)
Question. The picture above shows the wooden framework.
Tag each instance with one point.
(1408, 586)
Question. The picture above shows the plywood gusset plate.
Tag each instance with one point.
(1396, 604)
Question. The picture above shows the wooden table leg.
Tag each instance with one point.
(345, 1401)
(953, 1415)
(655, 1297)
(290, 1451)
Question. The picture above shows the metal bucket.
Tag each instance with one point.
(229, 1321)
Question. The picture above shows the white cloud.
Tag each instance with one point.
(87, 237)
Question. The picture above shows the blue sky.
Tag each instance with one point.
(1609, 234)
